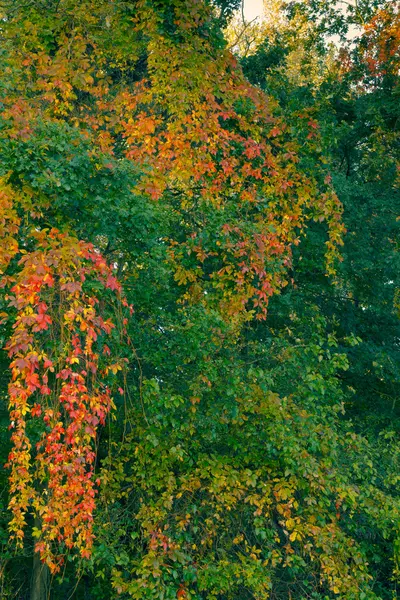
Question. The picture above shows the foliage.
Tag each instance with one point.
(247, 207)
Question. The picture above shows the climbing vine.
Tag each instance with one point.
(60, 388)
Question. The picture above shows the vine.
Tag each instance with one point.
(60, 388)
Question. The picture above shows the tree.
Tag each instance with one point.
(229, 471)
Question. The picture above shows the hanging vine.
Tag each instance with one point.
(61, 371)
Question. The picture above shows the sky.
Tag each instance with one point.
(252, 9)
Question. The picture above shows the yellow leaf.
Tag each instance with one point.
(290, 523)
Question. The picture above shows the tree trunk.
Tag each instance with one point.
(40, 589)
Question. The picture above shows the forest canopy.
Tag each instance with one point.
(199, 300)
